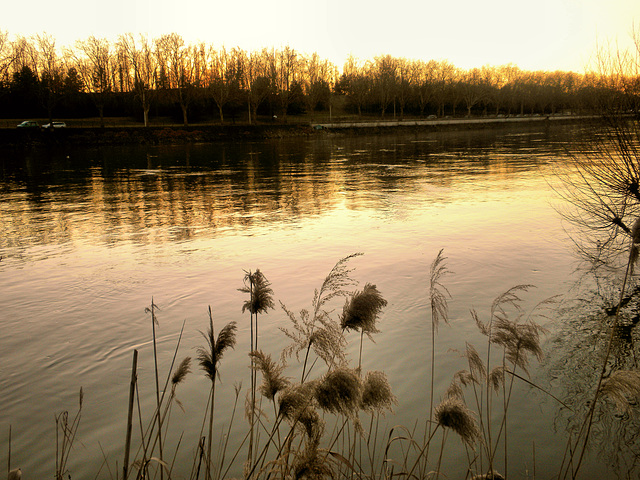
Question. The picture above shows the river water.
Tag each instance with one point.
(90, 236)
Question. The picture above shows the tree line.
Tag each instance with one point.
(141, 77)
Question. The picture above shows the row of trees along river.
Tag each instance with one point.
(167, 77)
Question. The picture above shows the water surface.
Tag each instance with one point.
(89, 236)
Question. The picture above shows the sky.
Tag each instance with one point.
(534, 34)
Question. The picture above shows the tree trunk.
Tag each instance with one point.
(101, 113)
(184, 115)
(222, 116)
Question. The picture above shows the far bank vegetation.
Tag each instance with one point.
(146, 78)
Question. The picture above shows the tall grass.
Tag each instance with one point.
(209, 357)
(327, 419)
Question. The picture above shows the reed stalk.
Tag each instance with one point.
(154, 321)
(438, 294)
(260, 301)
(9, 453)
(68, 431)
(132, 389)
(209, 357)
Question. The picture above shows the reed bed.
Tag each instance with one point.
(329, 421)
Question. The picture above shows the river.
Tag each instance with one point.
(90, 236)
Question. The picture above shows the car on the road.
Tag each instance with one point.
(29, 124)
(55, 125)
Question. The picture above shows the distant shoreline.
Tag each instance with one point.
(167, 135)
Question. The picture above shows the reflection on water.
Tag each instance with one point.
(579, 347)
(164, 194)
(88, 236)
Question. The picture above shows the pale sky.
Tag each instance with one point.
(535, 35)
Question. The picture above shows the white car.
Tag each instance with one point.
(55, 125)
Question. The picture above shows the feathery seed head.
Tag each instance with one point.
(376, 392)
(361, 311)
(339, 391)
(15, 474)
(260, 293)
(312, 423)
(518, 340)
(294, 398)
(321, 333)
(465, 378)
(454, 390)
(210, 355)
(496, 377)
(438, 293)
(454, 414)
(181, 372)
(296, 405)
(310, 465)
(476, 365)
(272, 379)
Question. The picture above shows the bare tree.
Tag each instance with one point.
(444, 77)
(256, 76)
(472, 88)
(7, 56)
(177, 60)
(287, 73)
(604, 191)
(50, 68)
(357, 81)
(223, 76)
(317, 83)
(385, 80)
(141, 67)
(95, 63)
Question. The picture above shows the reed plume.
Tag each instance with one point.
(272, 379)
(181, 372)
(339, 391)
(518, 340)
(260, 301)
(376, 393)
(454, 390)
(260, 293)
(496, 377)
(311, 465)
(296, 404)
(15, 474)
(453, 413)
(361, 311)
(209, 357)
(177, 378)
(316, 329)
(477, 367)
(438, 294)
(295, 398)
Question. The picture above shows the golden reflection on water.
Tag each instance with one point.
(220, 193)
(95, 233)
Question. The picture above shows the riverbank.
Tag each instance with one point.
(138, 135)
